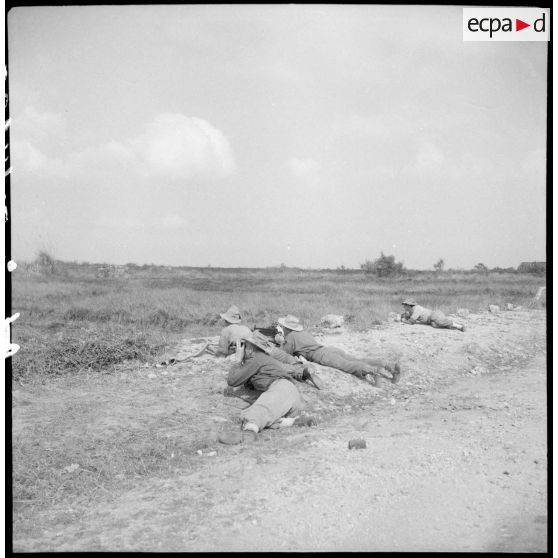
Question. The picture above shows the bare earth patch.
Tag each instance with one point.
(456, 456)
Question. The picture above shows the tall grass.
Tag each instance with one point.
(74, 319)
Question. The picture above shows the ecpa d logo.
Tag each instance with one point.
(506, 24)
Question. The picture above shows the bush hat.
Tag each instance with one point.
(290, 322)
(232, 315)
(258, 340)
(409, 302)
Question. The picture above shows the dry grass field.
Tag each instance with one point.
(99, 432)
(72, 319)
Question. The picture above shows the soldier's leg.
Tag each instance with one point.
(382, 366)
(330, 356)
(440, 320)
(281, 398)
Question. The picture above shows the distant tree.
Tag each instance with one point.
(439, 265)
(45, 263)
(342, 268)
(384, 266)
(481, 268)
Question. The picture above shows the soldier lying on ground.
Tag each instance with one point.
(415, 314)
(280, 403)
(235, 331)
(231, 333)
(301, 343)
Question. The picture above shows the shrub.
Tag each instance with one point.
(49, 355)
(532, 267)
(45, 263)
(384, 266)
(439, 265)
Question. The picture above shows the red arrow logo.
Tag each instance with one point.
(519, 25)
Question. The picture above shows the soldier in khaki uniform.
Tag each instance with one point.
(280, 402)
(235, 331)
(300, 343)
(415, 314)
(232, 332)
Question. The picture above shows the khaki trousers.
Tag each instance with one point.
(282, 398)
(337, 358)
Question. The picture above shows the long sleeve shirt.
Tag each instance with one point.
(230, 335)
(261, 369)
(300, 343)
(420, 315)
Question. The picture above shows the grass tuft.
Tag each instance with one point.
(72, 351)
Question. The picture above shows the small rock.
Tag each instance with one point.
(509, 306)
(394, 317)
(392, 401)
(152, 376)
(493, 308)
(230, 438)
(462, 312)
(212, 453)
(200, 452)
(332, 320)
(357, 443)
(305, 421)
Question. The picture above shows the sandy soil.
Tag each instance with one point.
(456, 456)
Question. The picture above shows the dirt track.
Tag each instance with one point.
(456, 456)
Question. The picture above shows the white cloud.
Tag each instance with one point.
(303, 167)
(173, 221)
(173, 147)
(26, 158)
(33, 125)
(429, 158)
(181, 147)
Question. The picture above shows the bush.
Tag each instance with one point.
(384, 266)
(49, 355)
(45, 263)
(439, 265)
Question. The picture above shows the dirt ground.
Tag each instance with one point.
(455, 457)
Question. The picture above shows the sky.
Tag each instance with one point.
(313, 136)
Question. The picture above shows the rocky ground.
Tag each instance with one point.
(455, 457)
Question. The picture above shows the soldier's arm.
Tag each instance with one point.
(241, 373)
(406, 318)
